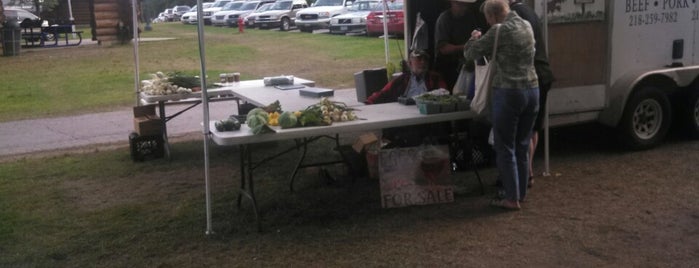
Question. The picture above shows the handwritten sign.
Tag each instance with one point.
(415, 176)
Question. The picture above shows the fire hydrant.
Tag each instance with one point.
(241, 25)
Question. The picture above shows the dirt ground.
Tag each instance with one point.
(602, 206)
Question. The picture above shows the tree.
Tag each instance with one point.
(2, 13)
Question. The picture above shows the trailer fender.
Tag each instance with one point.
(619, 92)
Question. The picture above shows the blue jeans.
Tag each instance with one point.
(513, 115)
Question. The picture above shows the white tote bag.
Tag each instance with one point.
(484, 77)
(462, 82)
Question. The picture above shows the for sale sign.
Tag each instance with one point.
(415, 176)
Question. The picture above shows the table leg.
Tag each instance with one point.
(298, 164)
(163, 121)
(246, 168)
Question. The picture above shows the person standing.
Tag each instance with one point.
(452, 29)
(515, 96)
(543, 72)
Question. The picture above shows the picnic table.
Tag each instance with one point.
(37, 35)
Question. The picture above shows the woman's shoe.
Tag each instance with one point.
(505, 204)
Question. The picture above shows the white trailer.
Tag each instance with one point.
(628, 64)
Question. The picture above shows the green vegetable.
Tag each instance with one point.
(256, 117)
(273, 107)
(311, 117)
(183, 80)
(258, 111)
(227, 124)
(261, 129)
(256, 120)
(288, 119)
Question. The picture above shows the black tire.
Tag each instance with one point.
(646, 119)
(285, 25)
(690, 112)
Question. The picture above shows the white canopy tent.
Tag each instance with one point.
(419, 30)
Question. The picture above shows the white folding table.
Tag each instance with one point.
(373, 117)
(223, 93)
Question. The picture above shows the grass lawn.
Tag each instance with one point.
(45, 82)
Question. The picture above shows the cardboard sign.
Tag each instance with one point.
(415, 176)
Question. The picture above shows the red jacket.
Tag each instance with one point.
(397, 87)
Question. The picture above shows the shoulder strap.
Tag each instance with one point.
(495, 46)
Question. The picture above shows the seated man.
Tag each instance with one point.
(409, 84)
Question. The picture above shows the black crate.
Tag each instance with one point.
(146, 147)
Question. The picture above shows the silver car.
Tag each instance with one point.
(355, 20)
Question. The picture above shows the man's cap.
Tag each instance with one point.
(419, 53)
(465, 1)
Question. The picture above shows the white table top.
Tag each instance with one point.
(377, 116)
(291, 99)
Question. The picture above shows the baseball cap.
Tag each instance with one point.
(419, 53)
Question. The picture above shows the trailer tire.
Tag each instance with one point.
(646, 119)
(690, 112)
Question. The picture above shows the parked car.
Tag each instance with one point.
(18, 14)
(231, 19)
(168, 13)
(318, 16)
(249, 20)
(355, 20)
(208, 12)
(395, 20)
(178, 11)
(191, 16)
(219, 17)
(282, 14)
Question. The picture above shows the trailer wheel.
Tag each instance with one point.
(691, 112)
(285, 25)
(646, 119)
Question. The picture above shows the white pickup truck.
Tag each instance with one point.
(318, 16)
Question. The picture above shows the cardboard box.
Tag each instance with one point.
(145, 110)
(146, 122)
(363, 141)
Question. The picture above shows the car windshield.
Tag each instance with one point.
(285, 5)
(397, 5)
(220, 4)
(263, 8)
(249, 6)
(365, 6)
(232, 6)
(321, 3)
(193, 9)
